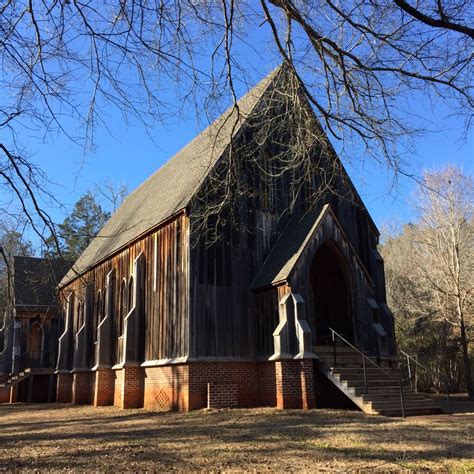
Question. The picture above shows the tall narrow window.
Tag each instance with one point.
(130, 294)
(123, 308)
(78, 321)
(97, 318)
(80, 316)
(155, 260)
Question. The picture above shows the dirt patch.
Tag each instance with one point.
(83, 438)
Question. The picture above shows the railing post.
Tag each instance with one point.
(334, 347)
(402, 398)
(416, 373)
(449, 399)
(409, 371)
(365, 375)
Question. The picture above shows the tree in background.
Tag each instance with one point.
(112, 194)
(363, 67)
(12, 243)
(78, 229)
(430, 273)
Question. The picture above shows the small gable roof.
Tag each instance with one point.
(170, 188)
(35, 281)
(284, 255)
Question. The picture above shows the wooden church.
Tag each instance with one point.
(228, 280)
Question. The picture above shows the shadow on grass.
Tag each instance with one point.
(261, 437)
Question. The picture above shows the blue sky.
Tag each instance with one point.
(130, 155)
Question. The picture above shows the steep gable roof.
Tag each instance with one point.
(35, 281)
(171, 187)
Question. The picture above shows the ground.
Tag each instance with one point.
(51, 437)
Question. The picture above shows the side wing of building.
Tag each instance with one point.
(146, 281)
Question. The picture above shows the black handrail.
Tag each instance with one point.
(364, 359)
(429, 372)
(30, 360)
(6, 376)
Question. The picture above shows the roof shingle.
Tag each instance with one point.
(172, 187)
(35, 281)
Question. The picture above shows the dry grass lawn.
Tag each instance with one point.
(52, 437)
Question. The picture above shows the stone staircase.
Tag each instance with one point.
(378, 391)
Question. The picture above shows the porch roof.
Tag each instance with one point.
(288, 248)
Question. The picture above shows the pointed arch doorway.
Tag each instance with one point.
(35, 344)
(332, 299)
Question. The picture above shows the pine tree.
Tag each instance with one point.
(78, 229)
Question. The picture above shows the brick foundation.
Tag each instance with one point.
(5, 395)
(243, 374)
(222, 395)
(64, 388)
(83, 388)
(295, 384)
(166, 388)
(132, 387)
(283, 384)
(104, 387)
(118, 383)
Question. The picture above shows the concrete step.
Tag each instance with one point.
(434, 410)
(359, 372)
(329, 349)
(395, 403)
(346, 355)
(392, 395)
(382, 395)
(392, 384)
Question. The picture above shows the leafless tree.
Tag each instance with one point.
(66, 64)
(112, 194)
(445, 248)
(430, 266)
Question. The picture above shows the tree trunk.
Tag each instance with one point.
(467, 362)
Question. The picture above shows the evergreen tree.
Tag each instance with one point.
(78, 229)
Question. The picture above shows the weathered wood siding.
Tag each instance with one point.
(166, 288)
(227, 320)
(43, 352)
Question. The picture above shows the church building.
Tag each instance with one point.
(243, 273)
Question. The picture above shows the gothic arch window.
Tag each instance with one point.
(80, 316)
(98, 315)
(130, 294)
(35, 343)
(123, 308)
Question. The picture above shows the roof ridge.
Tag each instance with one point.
(269, 77)
(172, 186)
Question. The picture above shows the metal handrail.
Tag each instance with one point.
(29, 358)
(430, 372)
(5, 376)
(364, 358)
(10, 363)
